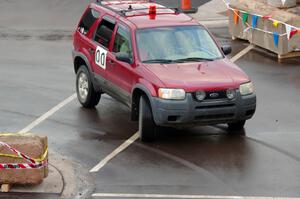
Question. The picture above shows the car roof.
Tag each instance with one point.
(139, 15)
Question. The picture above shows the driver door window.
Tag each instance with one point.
(122, 42)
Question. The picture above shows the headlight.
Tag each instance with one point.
(230, 93)
(246, 89)
(200, 95)
(174, 94)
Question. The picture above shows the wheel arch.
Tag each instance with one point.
(137, 92)
(79, 60)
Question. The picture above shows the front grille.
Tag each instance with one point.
(215, 106)
(221, 95)
(215, 116)
(213, 95)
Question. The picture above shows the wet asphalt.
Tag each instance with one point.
(36, 74)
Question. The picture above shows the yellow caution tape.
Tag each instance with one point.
(14, 134)
(42, 158)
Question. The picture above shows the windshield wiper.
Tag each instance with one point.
(188, 59)
(163, 61)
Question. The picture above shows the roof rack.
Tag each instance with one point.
(130, 9)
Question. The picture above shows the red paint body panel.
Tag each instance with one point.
(209, 76)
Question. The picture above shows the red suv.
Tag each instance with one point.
(162, 64)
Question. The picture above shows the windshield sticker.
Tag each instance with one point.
(100, 57)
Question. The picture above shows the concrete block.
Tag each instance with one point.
(32, 146)
(260, 38)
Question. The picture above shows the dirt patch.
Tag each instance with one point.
(55, 37)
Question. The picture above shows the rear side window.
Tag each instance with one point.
(104, 32)
(88, 20)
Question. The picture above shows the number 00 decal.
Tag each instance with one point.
(100, 57)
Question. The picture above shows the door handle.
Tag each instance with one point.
(91, 50)
(111, 62)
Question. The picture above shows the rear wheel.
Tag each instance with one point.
(147, 127)
(237, 125)
(86, 94)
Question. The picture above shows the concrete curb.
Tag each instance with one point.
(63, 180)
(52, 184)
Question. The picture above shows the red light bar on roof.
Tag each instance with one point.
(152, 10)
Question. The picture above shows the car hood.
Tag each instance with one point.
(192, 76)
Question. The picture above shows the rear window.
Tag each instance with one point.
(104, 32)
(88, 20)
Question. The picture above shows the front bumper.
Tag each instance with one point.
(192, 112)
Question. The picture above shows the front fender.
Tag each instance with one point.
(150, 92)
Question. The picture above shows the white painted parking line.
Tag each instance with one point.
(242, 53)
(47, 114)
(118, 150)
(132, 139)
(126, 195)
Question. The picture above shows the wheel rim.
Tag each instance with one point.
(83, 86)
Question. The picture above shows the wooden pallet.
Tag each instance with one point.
(5, 187)
(280, 57)
(289, 55)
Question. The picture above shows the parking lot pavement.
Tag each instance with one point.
(37, 74)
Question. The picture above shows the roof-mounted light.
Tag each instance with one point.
(152, 10)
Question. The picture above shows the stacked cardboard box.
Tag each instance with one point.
(32, 146)
(264, 37)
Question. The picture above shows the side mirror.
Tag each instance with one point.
(226, 49)
(124, 57)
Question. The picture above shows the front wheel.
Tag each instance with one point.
(147, 127)
(86, 94)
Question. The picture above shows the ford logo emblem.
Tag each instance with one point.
(214, 95)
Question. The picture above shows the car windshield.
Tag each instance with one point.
(176, 44)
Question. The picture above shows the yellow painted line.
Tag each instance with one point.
(118, 150)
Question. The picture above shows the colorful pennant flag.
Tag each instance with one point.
(276, 38)
(267, 16)
(275, 23)
(245, 17)
(293, 32)
(254, 21)
(288, 31)
(236, 16)
(248, 28)
(228, 12)
(227, 2)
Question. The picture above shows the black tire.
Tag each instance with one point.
(236, 126)
(147, 126)
(92, 97)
